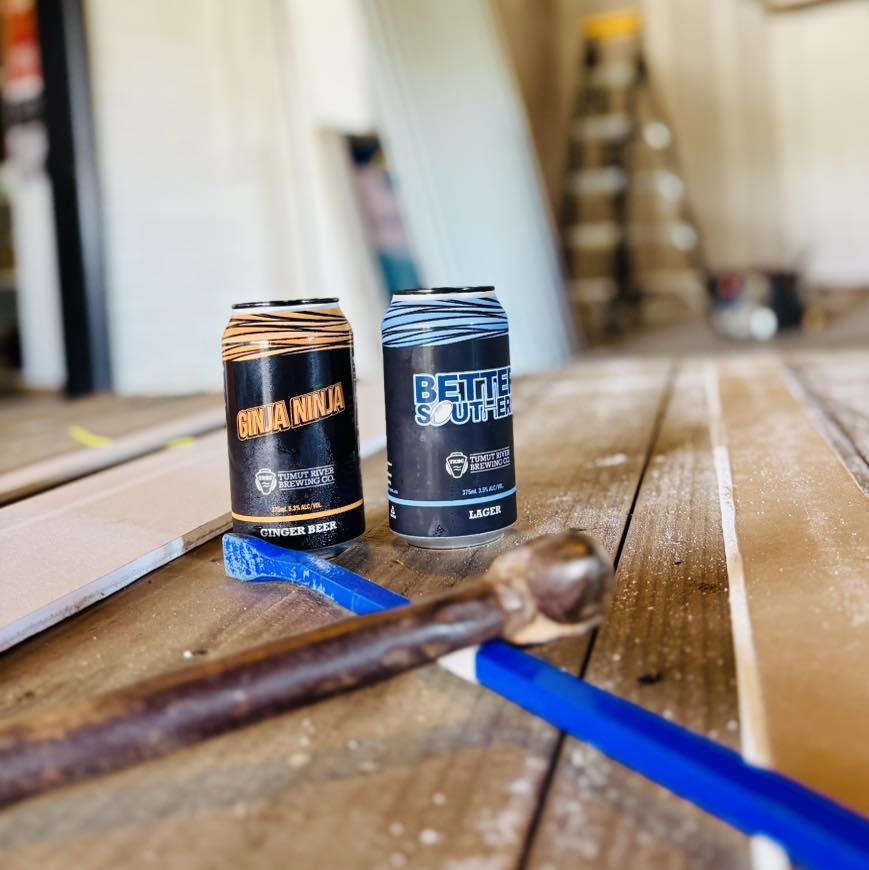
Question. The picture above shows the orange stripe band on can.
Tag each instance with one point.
(295, 518)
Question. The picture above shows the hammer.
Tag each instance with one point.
(816, 832)
(551, 587)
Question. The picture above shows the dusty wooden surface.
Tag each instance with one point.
(427, 771)
(83, 541)
(46, 441)
(835, 390)
(802, 523)
(666, 646)
(36, 428)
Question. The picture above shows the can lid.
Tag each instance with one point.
(284, 303)
(424, 291)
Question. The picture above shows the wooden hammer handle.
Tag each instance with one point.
(158, 716)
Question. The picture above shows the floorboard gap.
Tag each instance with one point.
(666, 394)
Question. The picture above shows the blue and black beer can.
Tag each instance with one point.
(449, 417)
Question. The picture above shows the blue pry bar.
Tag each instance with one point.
(816, 832)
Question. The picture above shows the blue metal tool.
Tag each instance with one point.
(813, 830)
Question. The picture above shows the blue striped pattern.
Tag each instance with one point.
(451, 502)
(442, 321)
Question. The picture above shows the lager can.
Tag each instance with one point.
(449, 417)
(291, 424)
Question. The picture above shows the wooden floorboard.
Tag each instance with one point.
(835, 389)
(666, 645)
(801, 526)
(69, 547)
(36, 429)
(425, 771)
(48, 441)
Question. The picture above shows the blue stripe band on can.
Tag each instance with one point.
(443, 321)
(407, 502)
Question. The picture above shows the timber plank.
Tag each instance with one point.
(38, 449)
(666, 645)
(33, 429)
(837, 386)
(67, 548)
(44, 474)
(64, 549)
(424, 771)
(801, 527)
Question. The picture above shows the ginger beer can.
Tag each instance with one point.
(291, 424)
(449, 417)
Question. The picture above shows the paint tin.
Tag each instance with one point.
(449, 417)
(291, 425)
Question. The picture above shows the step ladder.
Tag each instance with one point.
(632, 251)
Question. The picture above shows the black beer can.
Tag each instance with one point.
(291, 424)
(449, 417)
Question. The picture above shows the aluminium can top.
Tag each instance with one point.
(287, 303)
(431, 291)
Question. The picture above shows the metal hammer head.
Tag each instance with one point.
(568, 576)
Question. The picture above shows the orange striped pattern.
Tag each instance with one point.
(276, 333)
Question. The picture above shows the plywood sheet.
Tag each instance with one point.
(64, 549)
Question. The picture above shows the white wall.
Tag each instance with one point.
(542, 38)
(820, 66)
(225, 176)
(772, 129)
(709, 60)
(43, 362)
(219, 162)
(456, 132)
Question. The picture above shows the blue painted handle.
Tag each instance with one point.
(251, 559)
(815, 831)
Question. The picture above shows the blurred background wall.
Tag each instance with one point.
(767, 111)
(458, 137)
(221, 177)
(226, 176)
(290, 148)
